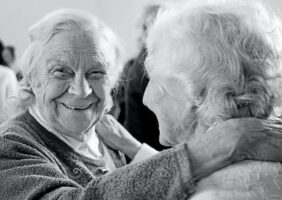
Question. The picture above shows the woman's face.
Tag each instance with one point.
(70, 82)
(172, 101)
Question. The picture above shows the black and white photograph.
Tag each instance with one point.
(141, 100)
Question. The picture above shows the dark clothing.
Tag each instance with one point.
(35, 164)
(140, 121)
(2, 62)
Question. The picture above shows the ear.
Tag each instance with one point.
(200, 97)
(109, 104)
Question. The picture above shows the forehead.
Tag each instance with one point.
(71, 45)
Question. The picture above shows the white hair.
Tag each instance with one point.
(229, 50)
(67, 20)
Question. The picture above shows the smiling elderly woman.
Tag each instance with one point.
(209, 61)
(69, 78)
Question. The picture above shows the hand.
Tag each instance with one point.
(260, 140)
(235, 140)
(117, 137)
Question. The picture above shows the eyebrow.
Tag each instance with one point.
(56, 60)
(97, 63)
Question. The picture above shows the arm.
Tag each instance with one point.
(117, 137)
(25, 173)
(230, 141)
(164, 176)
(235, 140)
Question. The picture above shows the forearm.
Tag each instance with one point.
(166, 175)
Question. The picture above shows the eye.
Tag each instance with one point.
(62, 72)
(96, 74)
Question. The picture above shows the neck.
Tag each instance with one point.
(200, 129)
(79, 137)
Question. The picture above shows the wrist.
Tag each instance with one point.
(132, 149)
(144, 152)
(195, 162)
(205, 160)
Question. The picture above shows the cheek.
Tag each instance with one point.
(55, 89)
(49, 90)
(152, 96)
(102, 90)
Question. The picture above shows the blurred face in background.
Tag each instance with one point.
(8, 56)
(70, 82)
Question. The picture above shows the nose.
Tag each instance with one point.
(146, 94)
(80, 87)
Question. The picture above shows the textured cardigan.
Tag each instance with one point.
(35, 164)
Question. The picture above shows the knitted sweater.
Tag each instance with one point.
(35, 164)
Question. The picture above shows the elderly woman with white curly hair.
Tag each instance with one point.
(53, 150)
(209, 61)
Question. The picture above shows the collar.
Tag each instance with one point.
(90, 146)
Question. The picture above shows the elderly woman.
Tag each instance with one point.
(209, 61)
(52, 151)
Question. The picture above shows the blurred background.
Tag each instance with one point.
(16, 16)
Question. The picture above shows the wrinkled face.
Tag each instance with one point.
(70, 82)
(166, 97)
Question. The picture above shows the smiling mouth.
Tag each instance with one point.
(77, 107)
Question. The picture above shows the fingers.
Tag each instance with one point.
(106, 126)
(107, 119)
(108, 122)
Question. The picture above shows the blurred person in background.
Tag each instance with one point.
(2, 62)
(9, 56)
(8, 89)
(140, 121)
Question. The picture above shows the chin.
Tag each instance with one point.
(75, 132)
(80, 125)
(167, 137)
(73, 127)
(172, 134)
(165, 142)
(78, 129)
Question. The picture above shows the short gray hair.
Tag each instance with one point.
(68, 20)
(229, 50)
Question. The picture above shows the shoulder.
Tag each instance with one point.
(14, 132)
(7, 73)
(6, 70)
(16, 139)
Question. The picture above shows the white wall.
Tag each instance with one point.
(16, 16)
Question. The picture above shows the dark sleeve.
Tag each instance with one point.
(26, 173)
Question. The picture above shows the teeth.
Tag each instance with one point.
(75, 108)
